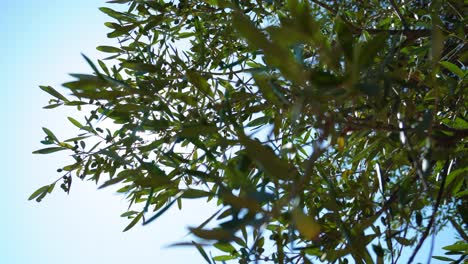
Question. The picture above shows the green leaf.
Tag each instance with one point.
(48, 150)
(404, 241)
(267, 159)
(153, 181)
(306, 225)
(443, 258)
(120, 31)
(129, 213)
(459, 246)
(369, 49)
(50, 134)
(117, 15)
(133, 222)
(245, 27)
(277, 55)
(161, 211)
(453, 68)
(199, 82)
(75, 122)
(186, 35)
(224, 258)
(38, 192)
(51, 106)
(345, 38)
(194, 194)
(76, 138)
(461, 172)
(112, 182)
(266, 89)
(54, 93)
(91, 64)
(225, 247)
(123, 175)
(141, 67)
(86, 82)
(196, 130)
(218, 234)
(259, 121)
(41, 192)
(109, 49)
(202, 252)
(153, 22)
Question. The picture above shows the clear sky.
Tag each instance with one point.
(41, 44)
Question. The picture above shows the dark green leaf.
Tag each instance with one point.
(213, 234)
(194, 194)
(267, 159)
(199, 82)
(133, 222)
(39, 192)
(123, 175)
(443, 258)
(161, 211)
(50, 134)
(48, 150)
(141, 67)
(109, 49)
(196, 130)
(53, 92)
(202, 252)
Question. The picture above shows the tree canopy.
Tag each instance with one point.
(324, 130)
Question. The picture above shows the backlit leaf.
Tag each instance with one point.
(48, 150)
(133, 222)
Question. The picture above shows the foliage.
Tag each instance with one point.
(328, 130)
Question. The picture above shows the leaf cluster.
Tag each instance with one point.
(324, 130)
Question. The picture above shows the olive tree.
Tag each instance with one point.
(324, 130)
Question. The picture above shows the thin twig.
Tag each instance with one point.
(434, 213)
(400, 16)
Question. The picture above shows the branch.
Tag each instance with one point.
(434, 213)
(397, 11)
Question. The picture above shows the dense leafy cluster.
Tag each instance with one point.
(325, 130)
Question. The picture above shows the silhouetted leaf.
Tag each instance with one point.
(39, 192)
(141, 67)
(53, 92)
(267, 159)
(48, 150)
(194, 194)
(133, 222)
(202, 252)
(109, 49)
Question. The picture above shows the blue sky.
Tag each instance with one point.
(41, 44)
